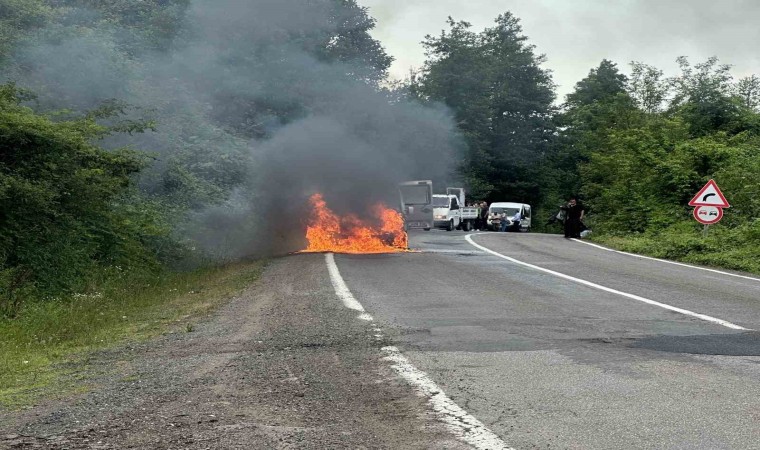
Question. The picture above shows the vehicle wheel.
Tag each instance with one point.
(451, 225)
(467, 226)
(426, 229)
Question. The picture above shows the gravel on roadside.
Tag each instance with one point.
(284, 365)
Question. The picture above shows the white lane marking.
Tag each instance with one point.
(613, 291)
(341, 290)
(461, 423)
(457, 420)
(668, 262)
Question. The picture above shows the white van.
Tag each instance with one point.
(521, 222)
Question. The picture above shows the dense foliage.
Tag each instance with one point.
(65, 204)
(18, 17)
(640, 148)
(502, 100)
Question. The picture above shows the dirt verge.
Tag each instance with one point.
(284, 365)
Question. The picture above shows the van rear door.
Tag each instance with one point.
(527, 219)
(416, 203)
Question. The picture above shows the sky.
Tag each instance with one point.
(576, 35)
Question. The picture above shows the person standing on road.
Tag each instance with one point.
(505, 222)
(483, 216)
(573, 218)
(516, 220)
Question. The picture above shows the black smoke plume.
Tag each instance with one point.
(250, 116)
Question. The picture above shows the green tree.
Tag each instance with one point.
(703, 98)
(150, 23)
(347, 39)
(748, 90)
(648, 87)
(502, 100)
(64, 203)
(18, 17)
(598, 107)
(601, 84)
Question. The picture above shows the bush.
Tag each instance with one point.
(732, 248)
(67, 207)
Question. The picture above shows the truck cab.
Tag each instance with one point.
(447, 211)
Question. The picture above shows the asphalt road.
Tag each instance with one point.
(326, 352)
(547, 362)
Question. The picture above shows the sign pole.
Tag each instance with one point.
(705, 230)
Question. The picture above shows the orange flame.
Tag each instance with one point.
(329, 233)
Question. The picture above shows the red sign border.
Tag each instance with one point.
(699, 219)
(695, 201)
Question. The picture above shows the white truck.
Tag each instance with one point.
(450, 212)
(422, 209)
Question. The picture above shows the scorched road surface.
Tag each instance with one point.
(549, 362)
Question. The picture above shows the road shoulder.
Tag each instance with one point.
(283, 365)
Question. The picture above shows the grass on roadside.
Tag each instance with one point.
(728, 248)
(34, 346)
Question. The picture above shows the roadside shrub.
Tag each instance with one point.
(67, 207)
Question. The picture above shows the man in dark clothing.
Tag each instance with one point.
(573, 218)
(483, 216)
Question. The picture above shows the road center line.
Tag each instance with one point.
(459, 422)
(669, 262)
(610, 290)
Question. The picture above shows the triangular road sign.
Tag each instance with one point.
(710, 195)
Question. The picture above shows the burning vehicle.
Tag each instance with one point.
(328, 232)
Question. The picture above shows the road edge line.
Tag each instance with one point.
(685, 312)
(461, 423)
(707, 269)
(341, 288)
(458, 421)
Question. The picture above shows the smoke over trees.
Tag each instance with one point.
(245, 108)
